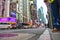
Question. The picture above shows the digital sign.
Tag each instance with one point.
(8, 19)
(13, 14)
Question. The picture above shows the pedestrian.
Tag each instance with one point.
(37, 22)
(55, 7)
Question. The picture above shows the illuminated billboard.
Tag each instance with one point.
(8, 19)
(13, 9)
(13, 14)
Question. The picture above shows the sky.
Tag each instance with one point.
(39, 3)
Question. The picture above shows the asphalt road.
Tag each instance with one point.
(37, 32)
(33, 31)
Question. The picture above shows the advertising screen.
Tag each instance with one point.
(13, 14)
(13, 9)
(8, 19)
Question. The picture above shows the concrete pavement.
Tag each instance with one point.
(32, 34)
(23, 34)
(33, 31)
(20, 36)
(54, 35)
(45, 35)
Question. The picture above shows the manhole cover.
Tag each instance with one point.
(7, 35)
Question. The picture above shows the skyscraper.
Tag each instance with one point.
(33, 9)
(4, 5)
(24, 9)
(1, 7)
(7, 4)
(20, 6)
(35, 6)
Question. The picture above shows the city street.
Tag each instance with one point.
(29, 19)
(21, 34)
(55, 35)
(33, 31)
(29, 34)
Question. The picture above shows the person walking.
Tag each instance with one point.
(54, 6)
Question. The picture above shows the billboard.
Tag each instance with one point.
(13, 10)
(13, 14)
(9, 19)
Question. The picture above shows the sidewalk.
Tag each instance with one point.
(55, 35)
(45, 35)
(49, 35)
(20, 36)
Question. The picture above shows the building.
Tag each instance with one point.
(33, 9)
(4, 5)
(20, 7)
(42, 10)
(28, 10)
(0, 8)
(7, 4)
(35, 6)
(24, 10)
(5, 16)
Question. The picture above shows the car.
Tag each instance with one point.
(22, 25)
(18, 25)
(25, 25)
(5, 26)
